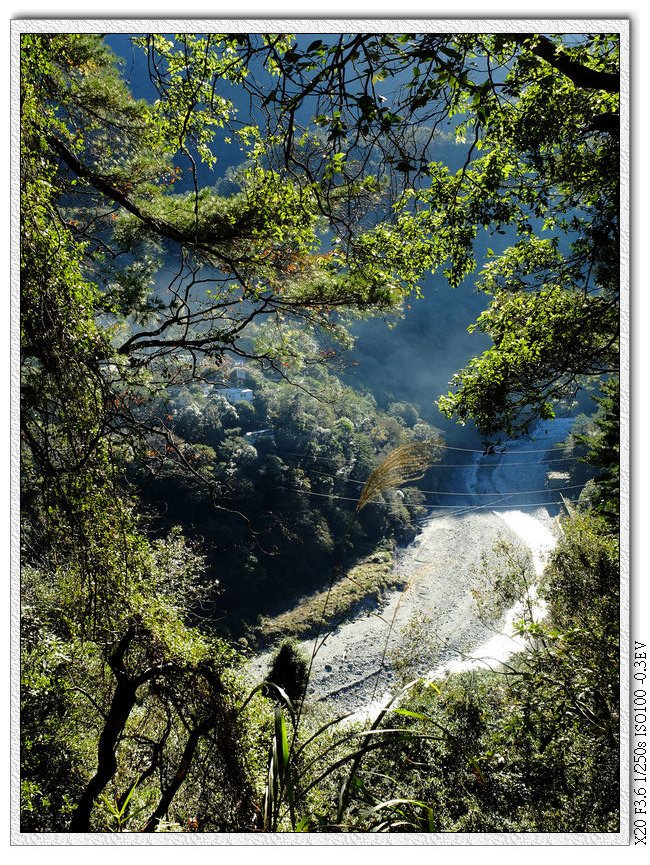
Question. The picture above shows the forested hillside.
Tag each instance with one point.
(196, 451)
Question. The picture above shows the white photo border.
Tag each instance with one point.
(322, 24)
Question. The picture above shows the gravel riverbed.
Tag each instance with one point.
(354, 663)
(435, 616)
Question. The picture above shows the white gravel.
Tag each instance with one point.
(352, 667)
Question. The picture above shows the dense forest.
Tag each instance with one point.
(203, 246)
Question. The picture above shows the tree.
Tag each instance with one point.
(289, 671)
(257, 252)
(99, 171)
(603, 452)
(99, 213)
(540, 115)
(131, 707)
(114, 606)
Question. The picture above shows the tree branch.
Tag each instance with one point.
(582, 76)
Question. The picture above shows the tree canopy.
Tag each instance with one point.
(339, 205)
(539, 118)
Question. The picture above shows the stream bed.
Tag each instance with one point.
(433, 626)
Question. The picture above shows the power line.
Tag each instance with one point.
(500, 453)
(443, 492)
(496, 465)
(481, 451)
(486, 506)
(492, 453)
(490, 506)
(320, 458)
(494, 492)
(457, 465)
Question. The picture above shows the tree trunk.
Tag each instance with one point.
(121, 707)
(179, 776)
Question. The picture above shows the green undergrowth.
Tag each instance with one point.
(365, 581)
